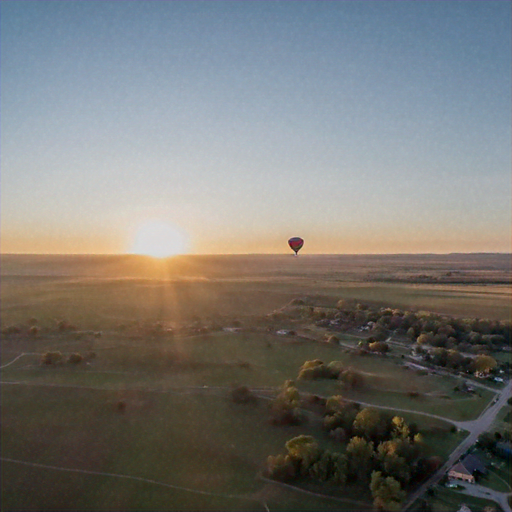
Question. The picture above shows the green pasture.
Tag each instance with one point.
(466, 301)
(180, 433)
(180, 430)
(225, 359)
(458, 409)
(104, 297)
(198, 442)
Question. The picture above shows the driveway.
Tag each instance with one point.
(484, 492)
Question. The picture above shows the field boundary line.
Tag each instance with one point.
(21, 355)
(137, 478)
(318, 495)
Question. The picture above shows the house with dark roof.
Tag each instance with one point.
(466, 469)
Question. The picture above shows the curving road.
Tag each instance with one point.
(475, 427)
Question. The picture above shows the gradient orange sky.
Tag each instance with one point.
(363, 127)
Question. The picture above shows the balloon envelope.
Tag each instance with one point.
(296, 243)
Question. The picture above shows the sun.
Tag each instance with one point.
(159, 239)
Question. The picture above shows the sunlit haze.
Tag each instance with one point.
(363, 127)
(158, 239)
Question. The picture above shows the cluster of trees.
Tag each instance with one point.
(33, 329)
(446, 332)
(285, 408)
(317, 369)
(64, 325)
(449, 336)
(56, 358)
(488, 440)
(382, 452)
(468, 335)
(453, 359)
(373, 345)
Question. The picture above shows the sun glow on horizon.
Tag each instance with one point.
(158, 239)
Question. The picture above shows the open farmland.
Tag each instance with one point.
(171, 340)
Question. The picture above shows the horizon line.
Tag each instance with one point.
(264, 254)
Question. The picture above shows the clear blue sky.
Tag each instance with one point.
(361, 126)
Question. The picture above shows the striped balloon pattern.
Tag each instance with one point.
(296, 244)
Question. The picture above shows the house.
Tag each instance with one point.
(466, 468)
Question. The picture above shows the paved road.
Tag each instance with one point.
(475, 427)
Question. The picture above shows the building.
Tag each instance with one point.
(466, 469)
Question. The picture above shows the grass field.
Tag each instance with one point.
(181, 444)
(447, 500)
(100, 291)
(174, 430)
(255, 360)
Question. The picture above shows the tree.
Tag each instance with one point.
(351, 378)
(340, 468)
(50, 358)
(483, 363)
(285, 409)
(411, 333)
(379, 332)
(425, 338)
(439, 356)
(281, 467)
(342, 304)
(400, 428)
(454, 359)
(338, 434)
(387, 492)
(33, 331)
(316, 369)
(304, 451)
(487, 441)
(75, 358)
(360, 454)
(335, 368)
(379, 346)
(392, 463)
(370, 423)
(340, 413)
(335, 404)
(439, 340)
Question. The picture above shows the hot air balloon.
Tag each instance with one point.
(296, 244)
